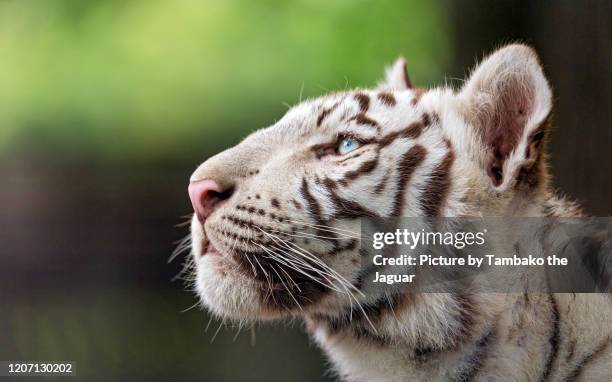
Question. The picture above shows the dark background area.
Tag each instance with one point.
(96, 150)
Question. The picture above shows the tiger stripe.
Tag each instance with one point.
(364, 169)
(476, 359)
(554, 339)
(362, 119)
(438, 186)
(576, 372)
(314, 209)
(364, 101)
(406, 167)
(386, 98)
(418, 93)
(345, 208)
(325, 113)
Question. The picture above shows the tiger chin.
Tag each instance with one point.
(273, 234)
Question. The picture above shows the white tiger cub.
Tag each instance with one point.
(274, 217)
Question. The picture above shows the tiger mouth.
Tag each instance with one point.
(281, 286)
(228, 261)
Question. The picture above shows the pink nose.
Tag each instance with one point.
(204, 194)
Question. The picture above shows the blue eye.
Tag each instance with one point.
(347, 145)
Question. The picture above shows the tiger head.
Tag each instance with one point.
(277, 217)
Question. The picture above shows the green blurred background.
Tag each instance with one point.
(106, 107)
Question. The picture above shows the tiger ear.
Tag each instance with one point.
(507, 100)
(396, 77)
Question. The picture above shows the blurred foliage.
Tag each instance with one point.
(131, 335)
(154, 79)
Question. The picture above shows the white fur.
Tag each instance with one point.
(283, 157)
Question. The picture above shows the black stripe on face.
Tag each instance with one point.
(413, 131)
(406, 167)
(387, 98)
(316, 212)
(345, 208)
(426, 119)
(364, 101)
(325, 113)
(362, 119)
(296, 204)
(380, 187)
(313, 205)
(365, 168)
(438, 186)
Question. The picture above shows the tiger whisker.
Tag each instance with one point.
(311, 257)
(252, 265)
(298, 263)
(390, 303)
(318, 272)
(288, 290)
(268, 280)
(286, 262)
(291, 279)
(327, 228)
(184, 223)
(208, 324)
(217, 331)
(345, 283)
(307, 235)
(300, 267)
(351, 295)
(321, 272)
(187, 268)
(182, 245)
(237, 332)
